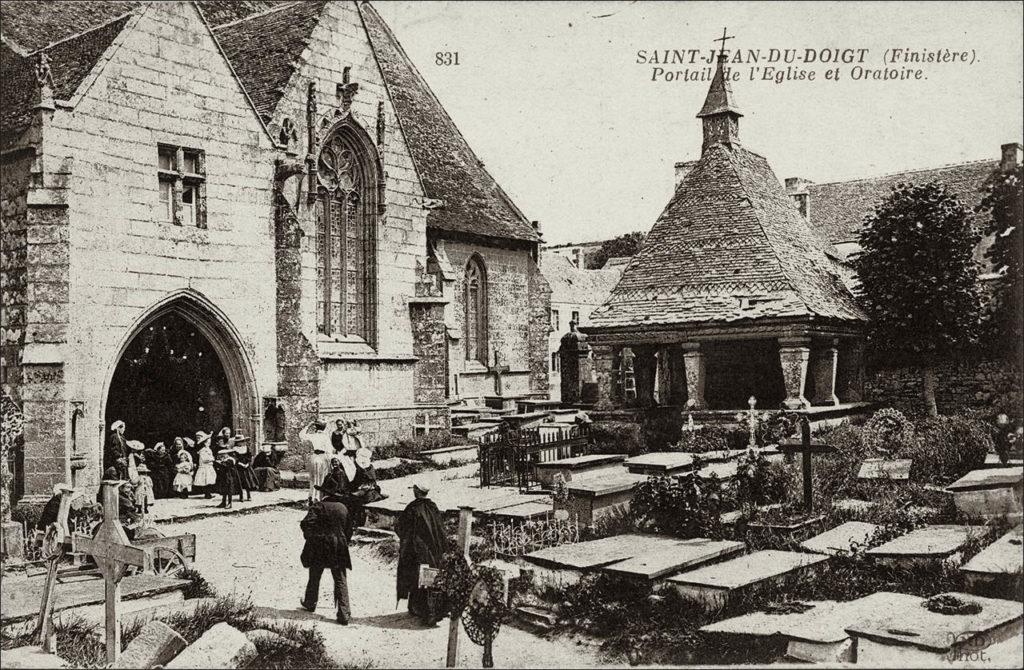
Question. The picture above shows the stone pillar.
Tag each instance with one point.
(693, 363)
(794, 353)
(605, 372)
(663, 378)
(645, 367)
(850, 372)
(824, 363)
(577, 368)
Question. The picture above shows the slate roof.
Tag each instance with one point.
(720, 97)
(264, 49)
(71, 61)
(569, 284)
(837, 209)
(729, 247)
(473, 202)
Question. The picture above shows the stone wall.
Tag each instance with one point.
(14, 180)
(539, 296)
(987, 385)
(430, 345)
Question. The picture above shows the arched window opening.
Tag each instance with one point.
(476, 310)
(346, 240)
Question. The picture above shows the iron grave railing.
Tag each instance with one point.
(510, 457)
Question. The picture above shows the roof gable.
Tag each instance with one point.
(473, 202)
(729, 246)
(570, 284)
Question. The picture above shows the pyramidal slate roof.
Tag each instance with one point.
(451, 172)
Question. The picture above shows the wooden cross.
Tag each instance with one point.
(465, 532)
(44, 627)
(723, 38)
(346, 89)
(806, 447)
(497, 370)
(113, 553)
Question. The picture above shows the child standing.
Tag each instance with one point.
(227, 478)
(246, 475)
(206, 475)
(182, 483)
(144, 490)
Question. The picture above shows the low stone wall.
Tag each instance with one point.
(986, 385)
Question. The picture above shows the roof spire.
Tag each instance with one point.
(720, 112)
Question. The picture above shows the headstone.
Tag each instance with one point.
(156, 644)
(998, 566)
(566, 563)
(990, 493)
(927, 544)
(903, 633)
(816, 635)
(660, 463)
(577, 466)
(879, 468)
(839, 540)
(714, 585)
(222, 647)
(685, 554)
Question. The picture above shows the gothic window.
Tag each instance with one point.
(182, 176)
(345, 241)
(476, 310)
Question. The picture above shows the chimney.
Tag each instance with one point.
(683, 168)
(796, 189)
(1011, 156)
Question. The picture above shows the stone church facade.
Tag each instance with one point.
(245, 214)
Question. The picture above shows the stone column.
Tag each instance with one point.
(794, 353)
(663, 383)
(605, 374)
(693, 363)
(574, 357)
(645, 367)
(824, 363)
(850, 372)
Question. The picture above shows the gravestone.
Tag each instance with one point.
(989, 493)
(222, 647)
(577, 466)
(927, 545)
(997, 567)
(714, 585)
(566, 563)
(841, 538)
(592, 498)
(156, 644)
(879, 468)
(685, 554)
(660, 463)
(902, 633)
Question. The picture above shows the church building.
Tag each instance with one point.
(244, 214)
(731, 295)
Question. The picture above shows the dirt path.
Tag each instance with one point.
(258, 555)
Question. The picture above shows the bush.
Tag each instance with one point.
(684, 507)
(412, 446)
(199, 587)
(759, 482)
(948, 447)
(616, 437)
(702, 440)
(660, 430)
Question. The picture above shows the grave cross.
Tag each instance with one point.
(723, 38)
(806, 447)
(752, 422)
(425, 427)
(497, 370)
(113, 554)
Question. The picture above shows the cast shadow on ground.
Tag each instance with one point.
(393, 621)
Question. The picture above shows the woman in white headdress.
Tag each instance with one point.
(182, 483)
(206, 475)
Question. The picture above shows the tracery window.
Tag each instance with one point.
(476, 310)
(345, 241)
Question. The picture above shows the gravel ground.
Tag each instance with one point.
(258, 555)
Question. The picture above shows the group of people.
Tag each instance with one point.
(208, 464)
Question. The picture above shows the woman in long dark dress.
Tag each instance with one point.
(264, 465)
(243, 463)
(161, 469)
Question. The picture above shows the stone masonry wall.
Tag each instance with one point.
(430, 344)
(539, 297)
(14, 180)
(988, 385)
(164, 81)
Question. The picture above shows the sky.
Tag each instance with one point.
(553, 100)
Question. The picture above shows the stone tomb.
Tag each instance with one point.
(880, 468)
(661, 463)
(902, 633)
(577, 467)
(817, 635)
(928, 544)
(566, 563)
(840, 539)
(714, 585)
(990, 493)
(997, 568)
(597, 496)
(684, 555)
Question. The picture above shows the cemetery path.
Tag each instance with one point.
(258, 555)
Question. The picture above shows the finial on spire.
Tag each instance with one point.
(722, 39)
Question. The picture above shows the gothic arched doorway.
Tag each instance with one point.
(182, 370)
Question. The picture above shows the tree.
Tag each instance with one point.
(1004, 200)
(918, 280)
(623, 245)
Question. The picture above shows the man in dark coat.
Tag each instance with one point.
(420, 530)
(326, 548)
(116, 453)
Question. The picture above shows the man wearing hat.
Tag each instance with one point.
(420, 531)
(116, 454)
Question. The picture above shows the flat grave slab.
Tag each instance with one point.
(577, 466)
(879, 468)
(999, 564)
(595, 495)
(817, 635)
(930, 543)
(566, 563)
(724, 471)
(839, 539)
(538, 404)
(685, 554)
(903, 633)
(990, 493)
(993, 461)
(525, 511)
(853, 505)
(660, 463)
(457, 453)
(713, 585)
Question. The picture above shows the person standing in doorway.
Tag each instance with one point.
(116, 454)
(326, 548)
(422, 539)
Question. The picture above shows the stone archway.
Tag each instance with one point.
(182, 369)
